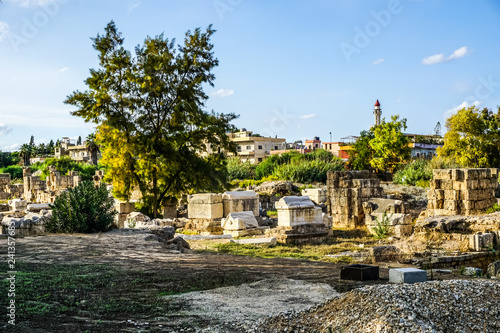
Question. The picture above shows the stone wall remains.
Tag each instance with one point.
(461, 191)
(346, 192)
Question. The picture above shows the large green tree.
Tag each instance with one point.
(473, 137)
(152, 125)
(383, 147)
(390, 146)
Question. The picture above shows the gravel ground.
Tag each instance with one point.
(436, 306)
(235, 309)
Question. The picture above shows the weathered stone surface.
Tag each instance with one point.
(170, 209)
(462, 191)
(346, 192)
(280, 187)
(317, 195)
(17, 204)
(294, 210)
(396, 211)
(240, 201)
(266, 240)
(30, 225)
(385, 253)
(407, 275)
(494, 269)
(481, 242)
(205, 206)
(37, 207)
(472, 271)
(239, 221)
(460, 223)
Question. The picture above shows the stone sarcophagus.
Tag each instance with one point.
(299, 221)
(240, 201)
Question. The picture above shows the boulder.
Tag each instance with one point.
(177, 244)
(493, 269)
(38, 207)
(385, 253)
(240, 221)
(275, 187)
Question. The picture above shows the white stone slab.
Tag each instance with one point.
(239, 221)
(407, 275)
(265, 240)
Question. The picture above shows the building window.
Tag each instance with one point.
(275, 147)
(260, 159)
(249, 147)
(260, 147)
(239, 148)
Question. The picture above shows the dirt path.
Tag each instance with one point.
(116, 282)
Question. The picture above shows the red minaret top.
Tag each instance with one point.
(377, 103)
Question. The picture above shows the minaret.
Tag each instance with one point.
(377, 111)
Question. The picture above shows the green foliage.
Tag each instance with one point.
(390, 145)
(382, 229)
(85, 208)
(303, 168)
(383, 147)
(63, 165)
(15, 171)
(362, 153)
(495, 208)
(308, 171)
(239, 170)
(473, 138)
(152, 127)
(419, 172)
(7, 159)
(272, 213)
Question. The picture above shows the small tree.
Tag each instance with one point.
(92, 148)
(390, 145)
(362, 153)
(86, 208)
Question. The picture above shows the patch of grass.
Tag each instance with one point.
(493, 209)
(345, 241)
(272, 213)
(46, 291)
(382, 228)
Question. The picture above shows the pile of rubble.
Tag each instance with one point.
(438, 306)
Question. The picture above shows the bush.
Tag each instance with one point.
(240, 170)
(308, 171)
(419, 172)
(15, 171)
(382, 228)
(85, 208)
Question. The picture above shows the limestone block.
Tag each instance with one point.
(17, 204)
(170, 211)
(264, 240)
(123, 207)
(239, 221)
(480, 242)
(240, 201)
(407, 275)
(441, 174)
(205, 206)
(493, 269)
(318, 195)
(38, 207)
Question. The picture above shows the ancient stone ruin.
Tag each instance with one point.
(461, 191)
(240, 224)
(299, 221)
(240, 201)
(395, 211)
(346, 192)
(8, 190)
(44, 191)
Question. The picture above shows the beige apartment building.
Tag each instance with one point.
(255, 149)
(69, 148)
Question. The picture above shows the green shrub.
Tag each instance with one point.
(15, 171)
(308, 171)
(382, 228)
(85, 208)
(419, 172)
(240, 170)
(495, 208)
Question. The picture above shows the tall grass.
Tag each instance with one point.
(419, 172)
(307, 171)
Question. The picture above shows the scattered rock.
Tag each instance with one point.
(280, 187)
(385, 253)
(472, 271)
(493, 269)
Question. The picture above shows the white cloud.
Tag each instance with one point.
(437, 58)
(30, 3)
(14, 147)
(64, 69)
(4, 129)
(450, 112)
(223, 92)
(4, 30)
(378, 61)
(131, 7)
(308, 116)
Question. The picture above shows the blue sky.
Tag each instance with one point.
(292, 69)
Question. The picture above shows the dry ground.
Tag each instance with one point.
(117, 282)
